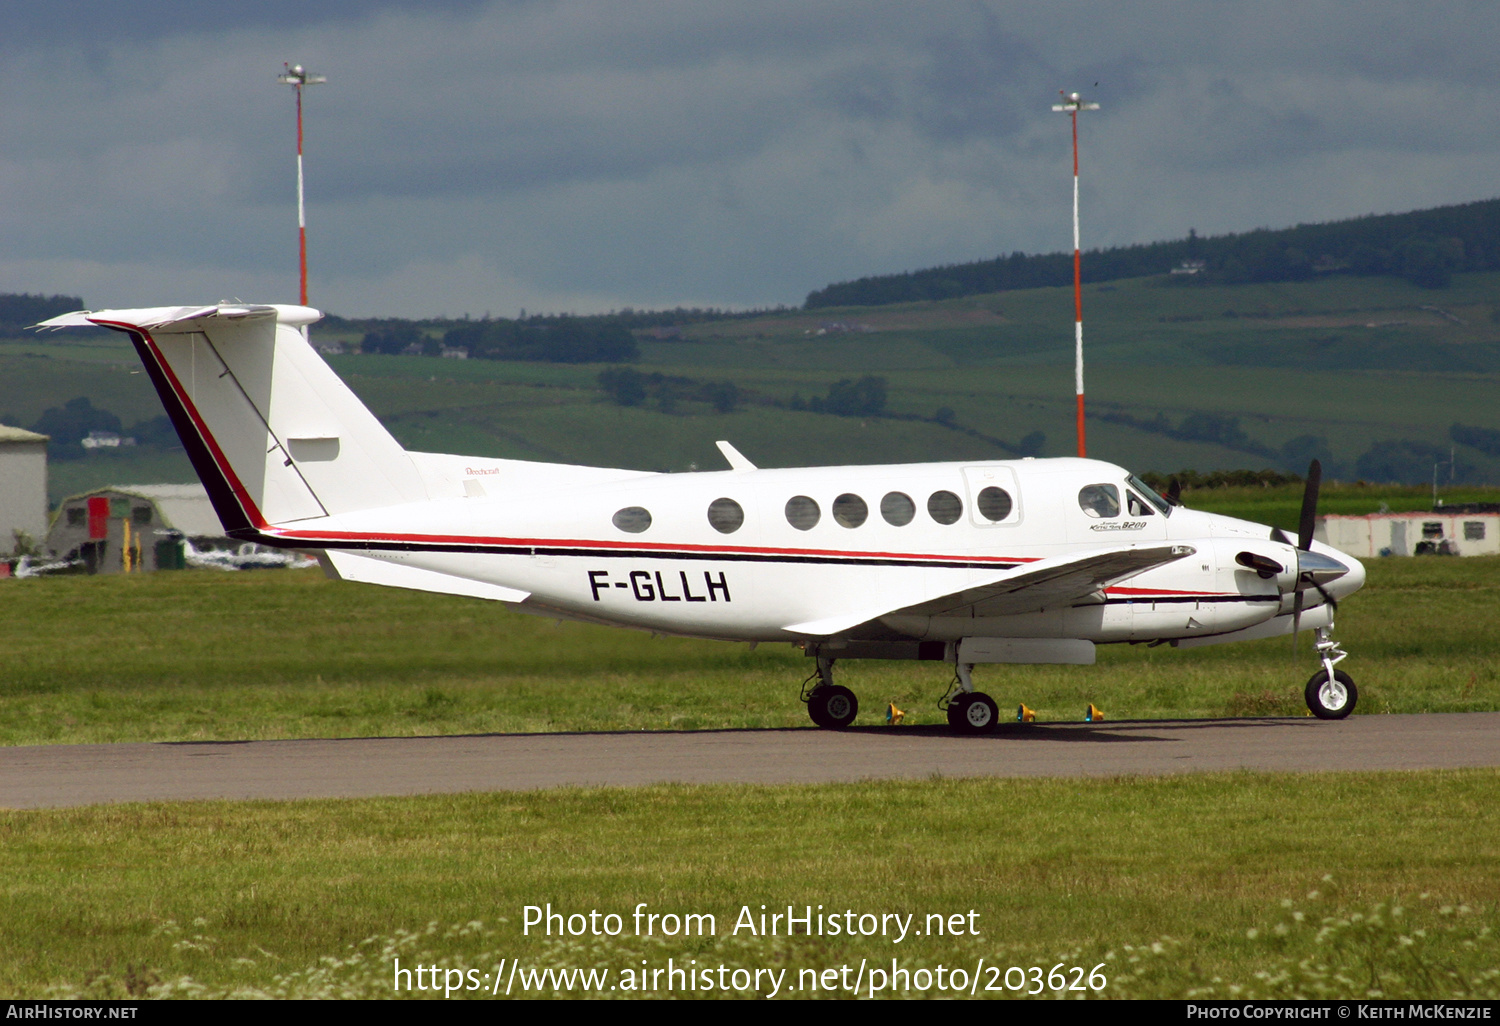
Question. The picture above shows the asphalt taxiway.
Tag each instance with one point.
(70, 775)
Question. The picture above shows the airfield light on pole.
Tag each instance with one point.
(297, 76)
(1071, 105)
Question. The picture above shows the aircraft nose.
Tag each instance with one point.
(1338, 573)
(1355, 578)
(1319, 568)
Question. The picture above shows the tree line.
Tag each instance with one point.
(552, 338)
(1425, 247)
(20, 310)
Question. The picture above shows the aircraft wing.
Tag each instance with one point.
(1045, 584)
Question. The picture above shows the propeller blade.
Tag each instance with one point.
(1308, 520)
(1174, 492)
(1296, 620)
(1306, 523)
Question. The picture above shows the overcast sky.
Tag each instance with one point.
(474, 156)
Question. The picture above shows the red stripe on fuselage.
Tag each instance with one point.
(627, 546)
(1164, 592)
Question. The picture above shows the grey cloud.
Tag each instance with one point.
(597, 153)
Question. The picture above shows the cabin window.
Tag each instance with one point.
(1137, 505)
(1432, 529)
(141, 515)
(726, 516)
(1100, 500)
(849, 510)
(1473, 530)
(632, 519)
(994, 503)
(77, 516)
(897, 509)
(945, 507)
(802, 513)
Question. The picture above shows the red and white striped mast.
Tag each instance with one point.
(296, 76)
(1072, 104)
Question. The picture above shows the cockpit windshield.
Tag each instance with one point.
(1150, 494)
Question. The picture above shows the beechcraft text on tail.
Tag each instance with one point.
(1010, 561)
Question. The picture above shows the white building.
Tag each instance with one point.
(23, 486)
(1464, 530)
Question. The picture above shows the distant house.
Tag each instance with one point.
(105, 440)
(1467, 530)
(23, 486)
(1191, 267)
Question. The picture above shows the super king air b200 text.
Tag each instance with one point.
(1028, 561)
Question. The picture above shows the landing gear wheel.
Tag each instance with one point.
(973, 713)
(1331, 699)
(832, 706)
(956, 709)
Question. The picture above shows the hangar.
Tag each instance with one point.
(134, 528)
(1471, 529)
(23, 488)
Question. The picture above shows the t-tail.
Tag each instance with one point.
(273, 433)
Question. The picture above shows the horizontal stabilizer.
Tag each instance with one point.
(158, 317)
(367, 570)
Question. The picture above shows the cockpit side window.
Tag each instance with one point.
(1150, 494)
(1100, 500)
(1138, 506)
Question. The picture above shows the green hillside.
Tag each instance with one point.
(1205, 376)
(1425, 247)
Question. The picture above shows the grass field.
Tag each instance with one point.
(208, 655)
(1188, 885)
(1212, 884)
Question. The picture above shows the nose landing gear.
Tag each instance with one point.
(1330, 693)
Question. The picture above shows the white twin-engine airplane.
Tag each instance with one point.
(1010, 561)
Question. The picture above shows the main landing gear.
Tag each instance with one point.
(969, 711)
(830, 705)
(833, 706)
(1330, 693)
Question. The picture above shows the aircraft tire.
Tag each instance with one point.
(956, 709)
(974, 713)
(832, 707)
(1331, 700)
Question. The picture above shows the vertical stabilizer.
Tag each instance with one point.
(275, 435)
